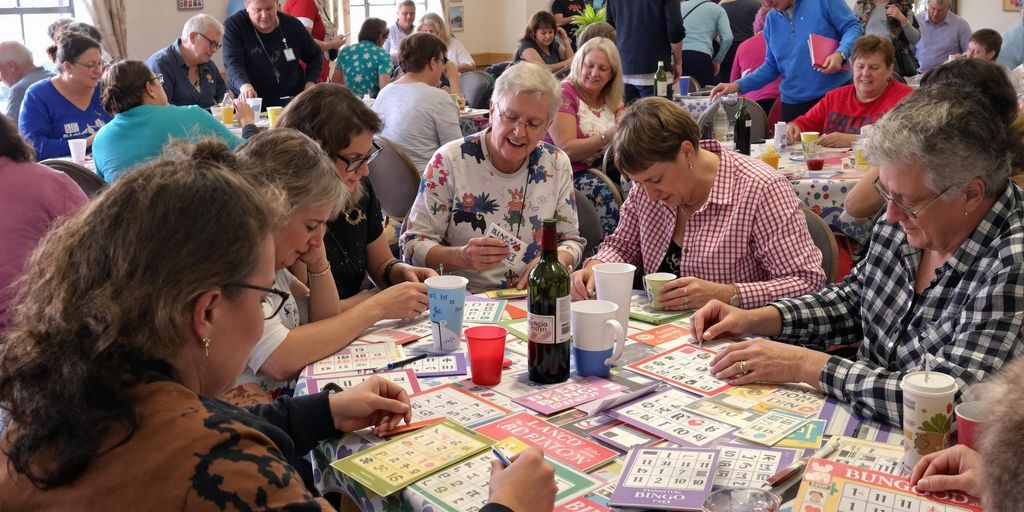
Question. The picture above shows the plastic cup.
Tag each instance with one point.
(446, 298)
(614, 283)
(217, 112)
(970, 421)
(77, 147)
(597, 337)
(228, 112)
(272, 114)
(256, 104)
(927, 414)
(486, 353)
(809, 141)
(741, 499)
(771, 159)
(653, 283)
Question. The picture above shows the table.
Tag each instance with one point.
(840, 421)
(473, 120)
(695, 105)
(89, 163)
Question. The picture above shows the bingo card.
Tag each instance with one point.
(686, 367)
(640, 309)
(881, 457)
(404, 377)
(482, 312)
(662, 414)
(749, 466)
(395, 464)
(439, 366)
(461, 406)
(399, 334)
(355, 358)
(666, 478)
(771, 428)
(552, 399)
(829, 485)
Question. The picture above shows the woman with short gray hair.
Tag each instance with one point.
(190, 77)
(943, 278)
(503, 176)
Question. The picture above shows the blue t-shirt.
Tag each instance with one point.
(363, 63)
(48, 120)
(139, 134)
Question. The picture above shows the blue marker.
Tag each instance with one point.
(501, 457)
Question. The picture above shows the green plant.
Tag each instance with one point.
(588, 16)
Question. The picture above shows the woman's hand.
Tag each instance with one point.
(315, 257)
(560, 32)
(832, 64)
(837, 140)
(527, 485)
(582, 283)
(792, 133)
(952, 469)
(723, 89)
(891, 11)
(717, 320)
(411, 274)
(762, 360)
(609, 134)
(692, 293)
(482, 253)
(244, 112)
(401, 301)
(374, 402)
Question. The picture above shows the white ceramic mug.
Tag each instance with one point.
(597, 337)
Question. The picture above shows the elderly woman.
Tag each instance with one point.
(502, 177)
(840, 115)
(544, 43)
(190, 77)
(586, 120)
(457, 54)
(417, 115)
(147, 321)
(68, 105)
(730, 230)
(310, 321)
(365, 67)
(133, 94)
(356, 246)
(942, 275)
(893, 20)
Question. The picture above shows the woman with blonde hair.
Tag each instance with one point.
(457, 53)
(586, 120)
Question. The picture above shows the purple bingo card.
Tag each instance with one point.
(666, 478)
(564, 396)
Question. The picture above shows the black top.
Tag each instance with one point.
(347, 238)
(741, 18)
(645, 31)
(568, 9)
(553, 58)
(673, 257)
(246, 60)
(181, 91)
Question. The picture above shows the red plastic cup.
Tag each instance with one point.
(486, 352)
(815, 164)
(970, 421)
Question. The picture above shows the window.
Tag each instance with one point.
(27, 21)
(359, 10)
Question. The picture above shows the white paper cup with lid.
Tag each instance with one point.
(927, 414)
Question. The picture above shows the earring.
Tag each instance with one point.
(966, 213)
(206, 345)
(691, 166)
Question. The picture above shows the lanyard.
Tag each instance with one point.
(277, 75)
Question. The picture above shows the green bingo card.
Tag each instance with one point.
(394, 465)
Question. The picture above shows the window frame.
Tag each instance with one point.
(68, 9)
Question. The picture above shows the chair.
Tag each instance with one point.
(774, 115)
(476, 87)
(395, 180)
(825, 241)
(590, 223)
(88, 181)
(758, 119)
(496, 70)
(610, 183)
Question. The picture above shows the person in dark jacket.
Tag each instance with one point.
(643, 44)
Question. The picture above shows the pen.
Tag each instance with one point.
(399, 364)
(500, 456)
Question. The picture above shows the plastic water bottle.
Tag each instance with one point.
(780, 136)
(720, 126)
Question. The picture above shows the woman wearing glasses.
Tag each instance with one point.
(309, 322)
(501, 177)
(940, 285)
(190, 76)
(417, 115)
(144, 121)
(68, 105)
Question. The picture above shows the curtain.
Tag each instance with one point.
(109, 18)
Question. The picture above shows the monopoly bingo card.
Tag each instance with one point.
(662, 414)
(355, 358)
(455, 403)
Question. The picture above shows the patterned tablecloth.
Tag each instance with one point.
(473, 120)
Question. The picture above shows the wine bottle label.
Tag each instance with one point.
(661, 89)
(564, 319)
(747, 123)
(541, 328)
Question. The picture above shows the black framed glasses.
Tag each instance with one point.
(214, 45)
(906, 209)
(273, 302)
(158, 78)
(356, 163)
(532, 125)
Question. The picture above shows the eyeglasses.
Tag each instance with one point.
(906, 209)
(273, 302)
(532, 125)
(93, 65)
(356, 163)
(214, 45)
(158, 78)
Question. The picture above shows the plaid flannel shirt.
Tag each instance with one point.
(969, 318)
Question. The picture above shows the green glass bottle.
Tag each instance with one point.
(549, 338)
(741, 130)
(661, 84)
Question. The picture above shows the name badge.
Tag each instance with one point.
(289, 54)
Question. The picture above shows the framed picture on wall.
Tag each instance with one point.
(184, 5)
(1013, 5)
(456, 15)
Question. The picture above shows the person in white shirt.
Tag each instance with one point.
(402, 28)
(457, 53)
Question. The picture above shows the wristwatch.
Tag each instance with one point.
(841, 54)
(735, 299)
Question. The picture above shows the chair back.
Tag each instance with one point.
(477, 87)
(395, 180)
(88, 181)
(610, 183)
(758, 119)
(774, 116)
(825, 241)
(590, 223)
(694, 84)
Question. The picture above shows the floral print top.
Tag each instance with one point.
(363, 63)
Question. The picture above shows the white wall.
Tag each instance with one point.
(153, 25)
(987, 14)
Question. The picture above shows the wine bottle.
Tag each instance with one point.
(741, 129)
(661, 84)
(549, 337)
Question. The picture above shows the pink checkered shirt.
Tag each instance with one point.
(750, 232)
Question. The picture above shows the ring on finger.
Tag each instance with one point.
(743, 368)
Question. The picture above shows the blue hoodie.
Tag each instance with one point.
(788, 54)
